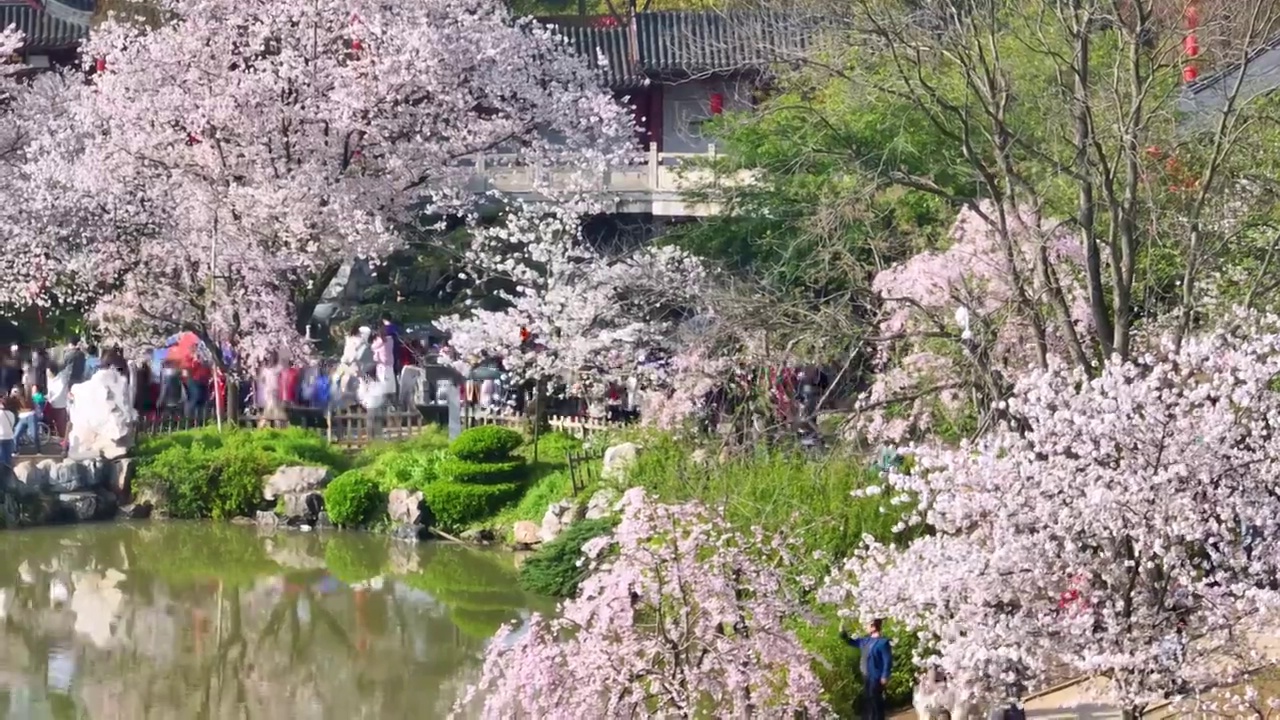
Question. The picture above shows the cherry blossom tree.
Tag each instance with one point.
(957, 324)
(216, 171)
(569, 309)
(688, 617)
(1125, 526)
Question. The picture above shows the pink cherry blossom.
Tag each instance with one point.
(212, 169)
(950, 314)
(591, 316)
(689, 617)
(1126, 526)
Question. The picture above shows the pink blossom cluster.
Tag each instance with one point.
(1128, 527)
(683, 616)
(939, 307)
(207, 172)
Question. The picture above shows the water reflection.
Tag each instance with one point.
(214, 621)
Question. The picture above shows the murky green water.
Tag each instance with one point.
(174, 621)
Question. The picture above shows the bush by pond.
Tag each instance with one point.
(354, 499)
(209, 474)
(556, 568)
(486, 443)
(458, 505)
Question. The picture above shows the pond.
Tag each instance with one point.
(202, 620)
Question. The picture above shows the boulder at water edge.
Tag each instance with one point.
(85, 505)
(303, 507)
(29, 479)
(617, 460)
(296, 479)
(70, 476)
(406, 507)
(526, 533)
(559, 515)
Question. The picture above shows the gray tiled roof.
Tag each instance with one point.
(682, 44)
(54, 29)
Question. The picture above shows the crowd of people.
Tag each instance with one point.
(35, 386)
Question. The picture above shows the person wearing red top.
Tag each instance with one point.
(289, 385)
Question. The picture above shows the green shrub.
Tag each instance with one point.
(456, 505)
(556, 568)
(204, 473)
(487, 473)
(353, 499)
(430, 440)
(486, 443)
(555, 445)
(409, 469)
(198, 481)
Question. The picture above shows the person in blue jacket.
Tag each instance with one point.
(877, 663)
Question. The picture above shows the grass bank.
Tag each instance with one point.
(811, 501)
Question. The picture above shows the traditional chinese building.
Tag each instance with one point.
(52, 29)
(680, 69)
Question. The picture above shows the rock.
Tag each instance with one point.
(85, 505)
(479, 536)
(119, 477)
(264, 518)
(306, 506)
(412, 533)
(526, 533)
(69, 476)
(296, 479)
(406, 507)
(102, 417)
(136, 511)
(617, 460)
(29, 479)
(558, 516)
(323, 522)
(601, 504)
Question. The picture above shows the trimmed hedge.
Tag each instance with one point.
(488, 473)
(555, 568)
(410, 469)
(206, 474)
(456, 505)
(353, 498)
(486, 443)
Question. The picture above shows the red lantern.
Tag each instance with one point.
(717, 103)
(1190, 46)
(1192, 16)
(1189, 74)
(100, 64)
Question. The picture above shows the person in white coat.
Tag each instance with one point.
(8, 438)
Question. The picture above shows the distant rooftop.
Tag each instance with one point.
(48, 24)
(1208, 95)
(676, 44)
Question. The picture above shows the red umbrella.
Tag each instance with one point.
(185, 351)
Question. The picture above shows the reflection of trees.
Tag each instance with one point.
(212, 627)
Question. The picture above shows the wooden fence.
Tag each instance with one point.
(583, 469)
(354, 429)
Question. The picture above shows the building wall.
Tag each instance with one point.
(685, 105)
